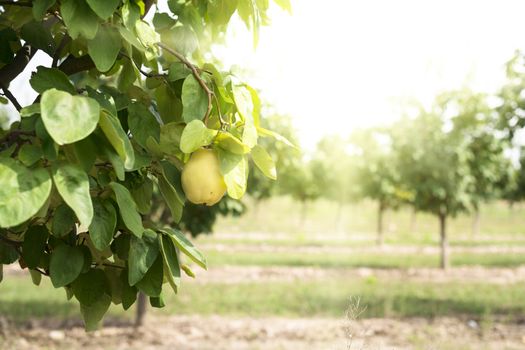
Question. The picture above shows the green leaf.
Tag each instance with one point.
(118, 138)
(142, 124)
(171, 261)
(220, 11)
(243, 101)
(142, 254)
(103, 8)
(89, 287)
(142, 195)
(65, 265)
(129, 293)
(181, 38)
(23, 192)
(249, 135)
(29, 154)
(94, 313)
(86, 153)
(186, 246)
(234, 168)
(34, 244)
(171, 196)
(177, 71)
(194, 100)
(8, 253)
(230, 143)
(50, 78)
(30, 110)
(168, 104)
(79, 19)
(170, 137)
(104, 48)
(285, 5)
(63, 221)
(187, 270)
(196, 135)
(128, 209)
(264, 162)
(73, 185)
(269, 133)
(157, 302)
(36, 277)
(147, 35)
(151, 283)
(103, 225)
(116, 162)
(104, 99)
(68, 118)
(38, 36)
(40, 8)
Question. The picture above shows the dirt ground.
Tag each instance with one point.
(217, 333)
(243, 274)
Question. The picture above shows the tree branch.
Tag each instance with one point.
(72, 64)
(13, 69)
(195, 73)
(11, 97)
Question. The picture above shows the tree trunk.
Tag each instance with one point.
(302, 217)
(380, 234)
(475, 223)
(339, 217)
(444, 263)
(256, 206)
(141, 309)
(413, 220)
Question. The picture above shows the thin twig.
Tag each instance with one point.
(146, 74)
(11, 97)
(195, 73)
(221, 121)
(41, 271)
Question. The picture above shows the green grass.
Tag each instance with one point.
(330, 260)
(281, 215)
(296, 240)
(20, 300)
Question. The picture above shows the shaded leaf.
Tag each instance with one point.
(73, 185)
(23, 192)
(65, 265)
(128, 209)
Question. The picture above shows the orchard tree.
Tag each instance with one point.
(125, 104)
(378, 176)
(262, 186)
(475, 122)
(336, 169)
(433, 164)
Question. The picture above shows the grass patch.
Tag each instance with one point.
(375, 260)
(20, 300)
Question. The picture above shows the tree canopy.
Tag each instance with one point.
(126, 100)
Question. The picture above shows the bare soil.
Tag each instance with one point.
(466, 274)
(372, 249)
(217, 333)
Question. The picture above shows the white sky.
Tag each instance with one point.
(339, 64)
(335, 65)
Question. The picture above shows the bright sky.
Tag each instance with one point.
(335, 64)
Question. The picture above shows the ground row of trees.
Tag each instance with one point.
(442, 159)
